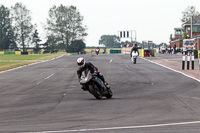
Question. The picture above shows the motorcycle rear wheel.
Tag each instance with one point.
(94, 90)
(134, 61)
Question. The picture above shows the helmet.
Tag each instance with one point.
(135, 45)
(81, 62)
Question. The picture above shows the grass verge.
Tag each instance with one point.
(9, 65)
(12, 61)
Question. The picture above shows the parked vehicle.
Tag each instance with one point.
(188, 44)
(95, 85)
(162, 48)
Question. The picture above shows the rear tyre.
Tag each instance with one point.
(134, 60)
(94, 90)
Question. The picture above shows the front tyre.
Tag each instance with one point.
(94, 90)
(109, 94)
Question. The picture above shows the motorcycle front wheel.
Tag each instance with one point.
(110, 94)
(94, 90)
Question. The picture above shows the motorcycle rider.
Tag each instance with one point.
(88, 65)
(135, 49)
(97, 50)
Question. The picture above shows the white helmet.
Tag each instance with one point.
(81, 62)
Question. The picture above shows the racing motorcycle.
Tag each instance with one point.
(95, 85)
(97, 51)
(134, 56)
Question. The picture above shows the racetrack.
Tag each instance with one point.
(147, 98)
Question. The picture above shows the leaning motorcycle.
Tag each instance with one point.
(134, 57)
(95, 85)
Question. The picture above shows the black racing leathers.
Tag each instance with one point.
(92, 69)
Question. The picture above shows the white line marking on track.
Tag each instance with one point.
(39, 82)
(62, 69)
(45, 78)
(172, 69)
(49, 76)
(118, 128)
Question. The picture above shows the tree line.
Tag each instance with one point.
(64, 29)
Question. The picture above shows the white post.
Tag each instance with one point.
(199, 61)
(199, 64)
(191, 28)
(188, 60)
(192, 60)
(183, 61)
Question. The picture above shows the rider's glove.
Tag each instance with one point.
(95, 72)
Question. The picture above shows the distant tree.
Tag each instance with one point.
(65, 23)
(22, 24)
(51, 45)
(77, 46)
(36, 41)
(11, 42)
(5, 28)
(185, 35)
(112, 41)
(189, 12)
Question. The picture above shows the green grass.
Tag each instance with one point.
(28, 57)
(12, 61)
(6, 63)
(21, 57)
(10, 65)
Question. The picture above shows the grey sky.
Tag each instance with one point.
(152, 19)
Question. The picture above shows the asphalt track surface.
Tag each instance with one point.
(147, 98)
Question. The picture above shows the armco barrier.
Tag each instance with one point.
(18, 52)
(113, 51)
(141, 52)
(74, 53)
(126, 50)
(9, 52)
(198, 54)
(107, 50)
(155, 52)
(24, 53)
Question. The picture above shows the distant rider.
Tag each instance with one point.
(97, 50)
(84, 66)
(134, 49)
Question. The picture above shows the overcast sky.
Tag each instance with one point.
(152, 20)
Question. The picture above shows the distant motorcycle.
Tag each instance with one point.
(134, 57)
(95, 85)
(97, 51)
